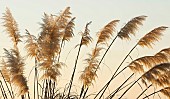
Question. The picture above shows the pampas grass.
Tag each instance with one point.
(47, 48)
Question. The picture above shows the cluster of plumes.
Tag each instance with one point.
(55, 30)
(131, 27)
(142, 64)
(13, 63)
(159, 75)
(92, 62)
(155, 69)
(14, 70)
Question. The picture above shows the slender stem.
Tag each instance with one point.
(152, 94)
(130, 87)
(29, 96)
(119, 68)
(81, 92)
(12, 91)
(119, 89)
(105, 53)
(120, 86)
(144, 91)
(6, 84)
(85, 93)
(22, 96)
(60, 51)
(2, 90)
(107, 84)
(72, 77)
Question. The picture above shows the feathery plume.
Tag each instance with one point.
(89, 74)
(5, 71)
(140, 64)
(106, 33)
(151, 37)
(68, 32)
(86, 38)
(166, 91)
(158, 75)
(31, 45)
(131, 27)
(16, 70)
(11, 27)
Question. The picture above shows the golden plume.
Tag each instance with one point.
(5, 71)
(31, 45)
(89, 74)
(131, 27)
(164, 54)
(63, 18)
(86, 38)
(68, 32)
(106, 33)
(158, 75)
(166, 91)
(52, 72)
(15, 63)
(11, 27)
(139, 64)
(151, 37)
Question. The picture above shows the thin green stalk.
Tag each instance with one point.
(120, 86)
(144, 91)
(129, 87)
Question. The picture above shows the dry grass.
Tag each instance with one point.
(46, 48)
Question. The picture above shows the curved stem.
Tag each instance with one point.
(118, 68)
(107, 84)
(121, 86)
(72, 77)
(81, 92)
(144, 91)
(152, 94)
(130, 87)
(105, 53)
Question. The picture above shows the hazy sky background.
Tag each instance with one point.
(28, 14)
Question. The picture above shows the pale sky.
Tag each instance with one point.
(28, 14)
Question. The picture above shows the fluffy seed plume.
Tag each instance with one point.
(86, 38)
(139, 64)
(89, 74)
(166, 91)
(106, 33)
(11, 27)
(158, 75)
(131, 27)
(31, 45)
(151, 37)
(68, 32)
(16, 64)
